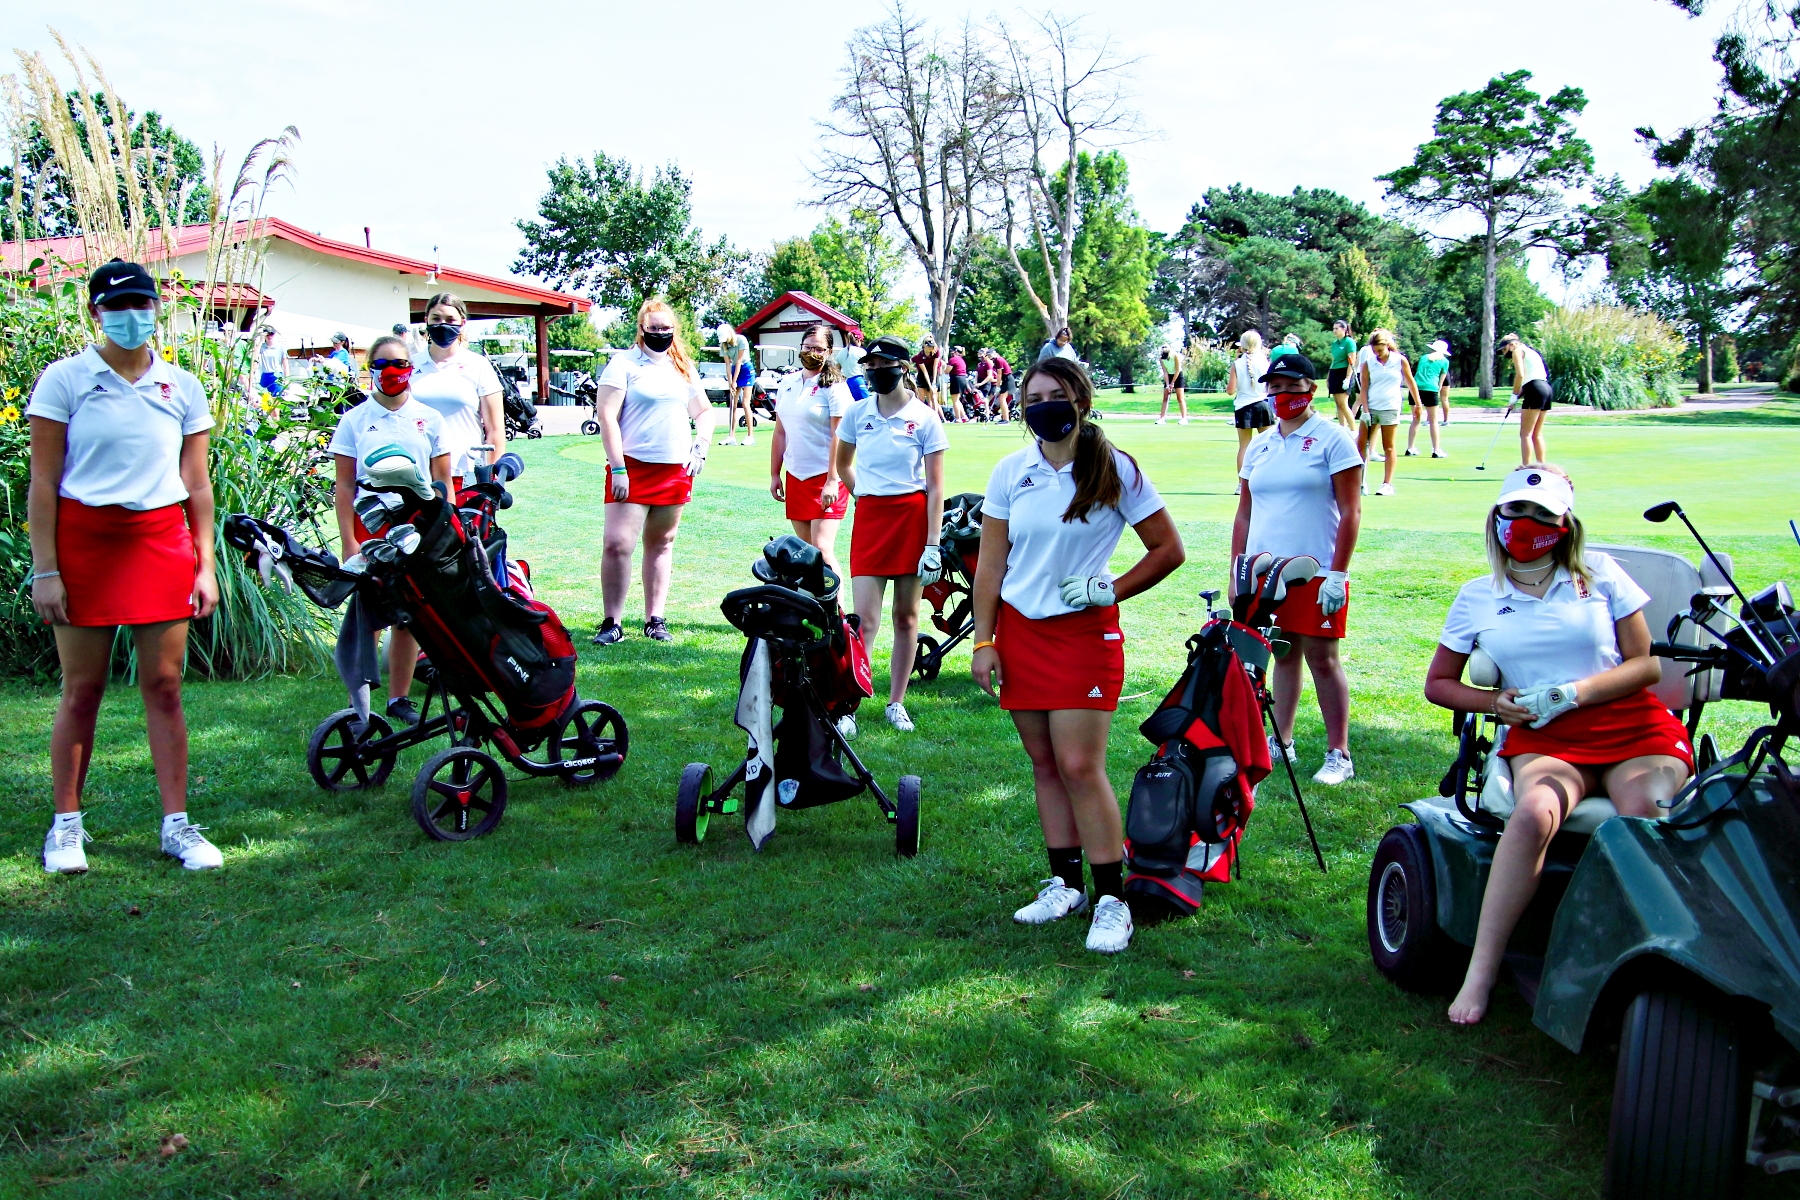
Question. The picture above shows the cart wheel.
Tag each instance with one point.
(1404, 938)
(1678, 1123)
(906, 816)
(334, 755)
(930, 659)
(690, 819)
(590, 427)
(459, 794)
(511, 433)
(534, 433)
(593, 727)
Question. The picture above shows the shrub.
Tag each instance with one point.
(1611, 357)
(1208, 366)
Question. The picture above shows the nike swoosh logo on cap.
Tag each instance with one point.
(117, 282)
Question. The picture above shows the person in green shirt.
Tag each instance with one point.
(1343, 353)
(1288, 345)
(1433, 377)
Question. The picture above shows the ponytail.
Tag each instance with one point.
(1096, 470)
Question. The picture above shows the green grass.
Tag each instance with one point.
(1775, 408)
(578, 1006)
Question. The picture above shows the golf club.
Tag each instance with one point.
(1794, 529)
(1658, 513)
(1490, 450)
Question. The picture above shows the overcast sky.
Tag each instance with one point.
(433, 124)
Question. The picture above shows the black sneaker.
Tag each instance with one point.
(657, 630)
(403, 710)
(609, 634)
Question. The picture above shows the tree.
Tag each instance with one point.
(865, 266)
(794, 266)
(1113, 266)
(604, 231)
(1365, 299)
(1068, 99)
(1506, 156)
(916, 137)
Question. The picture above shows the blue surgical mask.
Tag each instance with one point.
(128, 328)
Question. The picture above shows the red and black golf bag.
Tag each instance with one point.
(1191, 801)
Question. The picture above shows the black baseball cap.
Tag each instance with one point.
(118, 279)
(1290, 366)
(888, 347)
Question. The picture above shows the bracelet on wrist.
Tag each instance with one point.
(37, 575)
(983, 645)
(618, 470)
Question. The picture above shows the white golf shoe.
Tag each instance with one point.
(1386, 489)
(1111, 929)
(1337, 769)
(846, 726)
(899, 718)
(63, 853)
(187, 843)
(1277, 751)
(1054, 902)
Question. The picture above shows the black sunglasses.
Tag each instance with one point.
(382, 364)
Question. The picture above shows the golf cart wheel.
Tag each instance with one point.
(591, 728)
(1404, 938)
(906, 816)
(334, 755)
(930, 659)
(1678, 1120)
(459, 794)
(590, 428)
(534, 433)
(690, 819)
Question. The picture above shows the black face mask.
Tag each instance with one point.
(443, 335)
(1052, 419)
(885, 379)
(658, 341)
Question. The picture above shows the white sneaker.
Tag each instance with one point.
(1183, 421)
(1386, 489)
(1365, 489)
(1162, 420)
(1439, 454)
(1239, 489)
(1411, 453)
(1337, 769)
(187, 843)
(898, 718)
(730, 441)
(847, 726)
(63, 854)
(1054, 902)
(1277, 751)
(1112, 929)
(749, 439)
(1377, 458)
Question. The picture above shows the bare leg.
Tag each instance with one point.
(1075, 799)
(1412, 433)
(402, 661)
(1244, 436)
(1387, 450)
(1181, 402)
(866, 592)
(1342, 400)
(1539, 452)
(906, 635)
(84, 655)
(1638, 787)
(624, 525)
(1284, 674)
(1528, 439)
(160, 650)
(1433, 422)
(1330, 685)
(659, 552)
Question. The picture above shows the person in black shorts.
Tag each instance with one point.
(1337, 375)
(1531, 387)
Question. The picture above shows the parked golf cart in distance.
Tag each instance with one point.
(1677, 940)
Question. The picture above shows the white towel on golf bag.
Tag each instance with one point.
(1496, 781)
(755, 717)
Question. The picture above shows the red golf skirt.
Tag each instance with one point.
(655, 484)
(889, 535)
(803, 500)
(1076, 660)
(1299, 613)
(1629, 727)
(125, 567)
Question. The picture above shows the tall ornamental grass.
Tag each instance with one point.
(1611, 357)
(1208, 366)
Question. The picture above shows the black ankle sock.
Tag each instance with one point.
(1065, 864)
(1109, 879)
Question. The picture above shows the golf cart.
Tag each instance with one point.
(1677, 939)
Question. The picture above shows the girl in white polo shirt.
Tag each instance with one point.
(121, 512)
(1047, 628)
(803, 459)
(1566, 627)
(649, 397)
(1250, 411)
(391, 417)
(1302, 485)
(462, 386)
(1387, 379)
(891, 453)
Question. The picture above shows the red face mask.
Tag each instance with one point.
(1527, 540)
(393, 380)
(1289, 405)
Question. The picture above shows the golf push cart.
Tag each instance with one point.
(807, 659)
(1678, 938)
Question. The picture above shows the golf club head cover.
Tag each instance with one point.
(1246, 569)
(1283, 571)
(393, 468)
(508, 467)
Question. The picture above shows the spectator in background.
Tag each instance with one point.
(1250, 410)
(1386, 378)
(734, 350)
(959, 382)
(849, 358)
(1174, 382)
(1288, 345)
(1004, 373)
(1430, 375)
(340, 354)
(1060, 346)
(1531, 392)
(1337, 375)
(271, 365)
(930, 366)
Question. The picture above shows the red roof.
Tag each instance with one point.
(192, 239)
(801, 300)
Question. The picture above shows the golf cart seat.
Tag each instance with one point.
(1671, 580)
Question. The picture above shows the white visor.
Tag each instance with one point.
(1546, 488)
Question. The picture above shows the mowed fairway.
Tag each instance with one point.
(578, 1006)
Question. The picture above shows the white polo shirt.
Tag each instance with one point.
(1566, 636)
(454, 388)
(1293, 505)
(653, 419)
(890, 451)
(1031, 496)
(414, 427)
(124, 439)
(805, 410)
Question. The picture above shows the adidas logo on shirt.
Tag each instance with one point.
(1025, 482)
(868, 425)
(1503, 611)
(1094, 694)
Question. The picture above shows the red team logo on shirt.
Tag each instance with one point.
(1305, 445)
(911, 425)
(165, 391)
(420, 422)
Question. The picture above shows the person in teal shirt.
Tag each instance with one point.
(1343, 353)
(1288, 345)
(1433, 377)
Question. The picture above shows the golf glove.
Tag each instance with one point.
(1334, 593)
(696, 459)
(1088, 591)
(931, 566)
(1547, 703)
